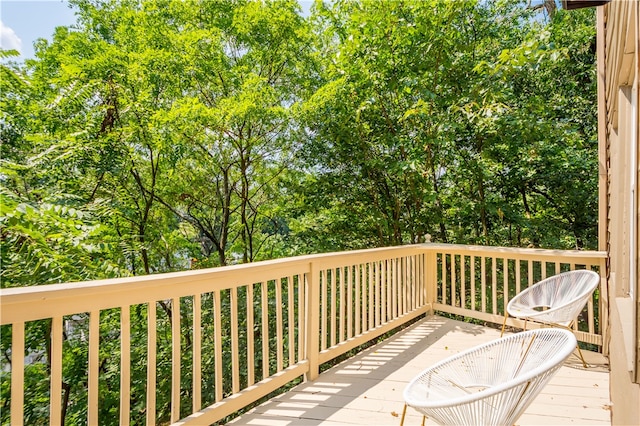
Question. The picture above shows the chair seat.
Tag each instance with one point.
(490, 384)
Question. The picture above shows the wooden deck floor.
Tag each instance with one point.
(367, 389)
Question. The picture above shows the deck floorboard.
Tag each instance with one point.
(367, 389)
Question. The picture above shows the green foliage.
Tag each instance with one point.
(53, 242)
(461, 121)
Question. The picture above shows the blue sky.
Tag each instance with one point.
(25, 21)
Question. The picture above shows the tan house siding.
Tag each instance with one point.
(618, 47)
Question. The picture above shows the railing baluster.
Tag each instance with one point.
(17, 373)
(483, 283)
(444, 278)
(402, 289)
(590, 316)
(406, 284)
(291, 328)
(362, 270)
(94, 366)
(419, 259)
(382, 276)
(472, 281)
(423, 277)
(125, 364)
(380, 280)
(505, 284)
(413, 294)
(411, 283)
(251, 368)
(416, 279)
(349, 301)
(342, 289)
(264, 287)
(175, 359)
(494, 285)
(55, 408)
(358, 302)
(384, 292)
(386, 279)
(371, 290)
(217, 342)
(323, 310)
(394, 287)
(302, 332)
(518, 275)
(400, 286)
(453, 280)
(279, 319)
(414, 282)
(196, 385)
(376, 293)
(463, 279)
(151, 365)
(333, 320)
(235, 345)
(590, 305)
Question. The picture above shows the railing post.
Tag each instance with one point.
(603, 309)
(431, 280)
(312, 322)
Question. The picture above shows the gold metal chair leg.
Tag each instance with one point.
(584, 363)
(404, 412)
(569, 327)
(423, 419)
(504, 323)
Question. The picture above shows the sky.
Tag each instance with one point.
(22, 22)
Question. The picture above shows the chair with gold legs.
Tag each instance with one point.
(555, 301)
(490, 384)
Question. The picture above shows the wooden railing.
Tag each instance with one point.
(478, 282)
(241, 332)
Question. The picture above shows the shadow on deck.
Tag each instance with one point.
(367, 389)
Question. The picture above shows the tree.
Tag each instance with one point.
(413, 132)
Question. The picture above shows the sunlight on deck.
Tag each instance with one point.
(367, 389)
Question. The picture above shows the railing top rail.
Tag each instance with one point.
(45, 301)
(265, 268)
(585, 254)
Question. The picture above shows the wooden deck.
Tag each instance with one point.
(367, 389)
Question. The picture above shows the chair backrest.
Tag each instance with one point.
(563, 295)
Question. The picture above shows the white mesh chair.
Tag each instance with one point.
(554, 301)
(490, 384)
